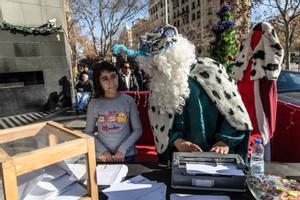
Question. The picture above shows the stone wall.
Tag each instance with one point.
(20, 53)
(32, 12)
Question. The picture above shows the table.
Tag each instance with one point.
(162, 173)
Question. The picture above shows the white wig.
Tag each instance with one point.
(169, 72)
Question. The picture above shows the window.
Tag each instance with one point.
(193, 5)
(193, 17)
(198, 14)
(209, 11)
(28, 78)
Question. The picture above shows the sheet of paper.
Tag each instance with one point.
(78, 171)
(49, 183)
(137, 188)
(139, 179)
(197, 197)
(198, 168)
(74, 192)
(111, 174)
(157, 194)
(30, 181)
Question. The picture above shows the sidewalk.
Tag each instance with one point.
(58, 114)
(70, 119)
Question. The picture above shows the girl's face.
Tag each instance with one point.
(109, 81)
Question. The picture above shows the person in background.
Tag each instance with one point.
(117, 117)
(86, 70)
(141, 78)
(84, 92)
(128, 80)
(80, 71)
(65, 98)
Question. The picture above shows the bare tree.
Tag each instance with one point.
(112, 16)
(285, 17)
(86, 14)
(100, 21)
(79, 40)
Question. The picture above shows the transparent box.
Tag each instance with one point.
(35, 160)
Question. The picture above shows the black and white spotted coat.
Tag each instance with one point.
(222, 91)
(267, 56)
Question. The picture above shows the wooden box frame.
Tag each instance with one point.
(13, 166)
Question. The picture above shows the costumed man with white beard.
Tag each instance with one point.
(194, 105)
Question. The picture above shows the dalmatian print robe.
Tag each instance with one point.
(267, 57)
(219, 87)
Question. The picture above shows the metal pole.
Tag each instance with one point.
(166, 7)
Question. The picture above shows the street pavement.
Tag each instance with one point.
(70, 119)
(65, 116)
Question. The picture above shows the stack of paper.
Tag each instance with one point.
(220, 169)
(111, 174)
(197, 197)
(137, 188)
(51, 182)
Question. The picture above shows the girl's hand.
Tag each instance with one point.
(220, 147)
(118, 157)
(186, 146)
(106, 157)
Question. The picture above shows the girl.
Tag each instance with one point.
(117, 118)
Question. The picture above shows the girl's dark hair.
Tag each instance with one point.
(98, 69)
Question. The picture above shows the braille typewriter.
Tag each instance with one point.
(208, 171)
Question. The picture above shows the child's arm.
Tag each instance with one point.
(90, 126)
(136, 129)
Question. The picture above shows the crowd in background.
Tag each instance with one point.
(131, 78)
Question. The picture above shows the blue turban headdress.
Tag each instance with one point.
(152, 43)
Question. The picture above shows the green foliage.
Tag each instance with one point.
(29, 30)
(224, 47)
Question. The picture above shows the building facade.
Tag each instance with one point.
(130, 37)
(126, 37)
(31, 65)
(139, 28)
(194, 18)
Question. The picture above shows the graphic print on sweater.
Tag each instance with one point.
(112, 121)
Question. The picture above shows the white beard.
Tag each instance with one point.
(169, 71)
